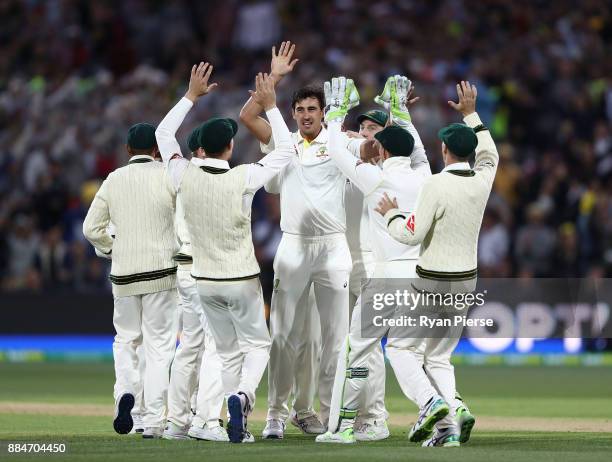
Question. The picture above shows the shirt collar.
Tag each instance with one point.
(320, 139)
(396, 161)
(197, 161)
(457, 166)
(140, 158)
(216, 163)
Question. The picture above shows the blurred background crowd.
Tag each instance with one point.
(74, 75)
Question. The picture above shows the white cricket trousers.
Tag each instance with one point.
(149, 319)
(424, 364)
(323, 262)
(350, 392)
(374, 399)
(235, 313)
(196, 348)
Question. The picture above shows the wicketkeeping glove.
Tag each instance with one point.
(394, 98)
(341, 95)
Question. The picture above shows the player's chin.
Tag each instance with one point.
(307, 128)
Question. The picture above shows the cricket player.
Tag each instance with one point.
(139, 200)
(196, 345)
(371, 422)
(217, 202)
(446, 223)
(405, 177)
(313, 252)
(138, 409)
(369, 425)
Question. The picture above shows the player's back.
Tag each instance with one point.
(141, 204)
(451, 243)
(398, 180)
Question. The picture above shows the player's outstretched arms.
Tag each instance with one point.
(397, 97)
(487, 157)
(165, 134)
(282, 63)
(340, 96)
(268, 167)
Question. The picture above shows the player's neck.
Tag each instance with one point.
(309, 138)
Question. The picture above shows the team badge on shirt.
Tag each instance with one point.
(410, 224)
(322, 152)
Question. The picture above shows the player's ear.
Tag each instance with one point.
(129, 149)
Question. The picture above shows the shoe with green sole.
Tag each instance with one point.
(465, 421)
(435, 411)
(343, 437)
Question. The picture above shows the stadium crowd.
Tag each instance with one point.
(74, 75)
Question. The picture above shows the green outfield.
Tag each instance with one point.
(524, 414)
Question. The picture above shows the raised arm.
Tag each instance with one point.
(263, 171)
(96, 222)
(166, 131)
(397, 98)
(487, 157)
(340, 96)
(281, 64)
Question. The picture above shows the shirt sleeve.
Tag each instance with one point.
(267, 168)
(411, 228)
(169, 147)
(267, 148)
(487, 157)
(365, 176)
(353, 145)
(97, 220)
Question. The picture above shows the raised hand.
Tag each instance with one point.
(264, 93)
(282, 62)
(385, 204)
(396, 98)
(198, 82)
(341, 95)
(467, 98)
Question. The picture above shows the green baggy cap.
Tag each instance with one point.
(216, 134)
(141, 136)
(460, 139)
(193, 143)
(396, 140)
(376, 116)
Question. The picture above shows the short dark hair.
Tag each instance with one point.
(309, 91)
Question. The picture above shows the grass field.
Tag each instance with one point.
(525, 414)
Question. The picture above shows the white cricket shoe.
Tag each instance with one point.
(434, 411)
(123, 421)
(208, 433)
(175, 432)
(152, 432)
(138, 424)
(275, 430)
(248, 437)
(344, 437)
(374, 431)
(310, 425)
(445, 437)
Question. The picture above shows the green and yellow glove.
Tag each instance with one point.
(394, 98)
(341, 95)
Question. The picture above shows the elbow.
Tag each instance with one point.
(245, 118)
(87, 231)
